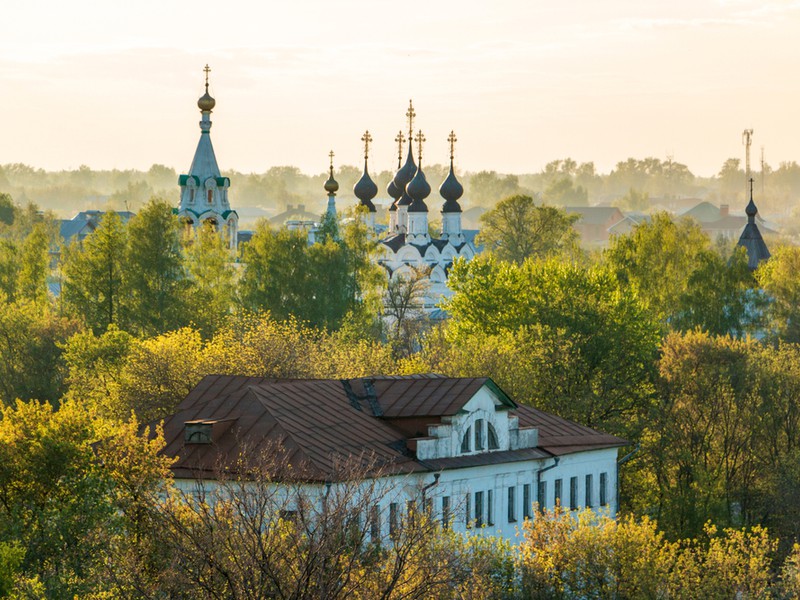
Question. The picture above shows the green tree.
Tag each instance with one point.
(210, 299)
(580, 313)
(562, 192)
(6, 209)
(634, 201)
(93, 274)
(9, 268)
(155, 281)
(35, 259)
(779, 277)
(517, 229)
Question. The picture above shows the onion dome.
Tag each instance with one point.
(751, 211)
(406, 172)
(451, 190)
(419, 189)
(331, 186)
(392, 190)
(365, 190)
(206, 103)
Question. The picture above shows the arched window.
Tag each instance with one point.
(478, 434)
(465, 441)
(492, 437)
(210, 194)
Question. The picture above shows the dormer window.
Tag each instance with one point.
(465, 441)
(197, 432)
(492, 437)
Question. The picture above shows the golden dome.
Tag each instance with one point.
(206, 103)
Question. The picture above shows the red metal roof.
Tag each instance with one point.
(321, 424)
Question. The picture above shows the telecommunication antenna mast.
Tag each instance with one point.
(747, 140)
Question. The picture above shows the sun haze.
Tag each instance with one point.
(115, 86)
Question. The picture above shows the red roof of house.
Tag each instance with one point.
(321, 425)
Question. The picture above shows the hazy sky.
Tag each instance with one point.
(522, 82)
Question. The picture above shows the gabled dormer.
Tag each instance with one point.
(482, 425)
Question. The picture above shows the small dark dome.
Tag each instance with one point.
(451, 190)
(392, 190)
(405, 200)
(365, 190)
(406, 172)
(751, 210)
(331, 186)
(419, 189)
(206, 103)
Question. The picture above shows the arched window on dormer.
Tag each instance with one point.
(492, 437)
(465, 441)
(478, 435)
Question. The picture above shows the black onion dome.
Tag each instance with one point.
(419, 189)
(392, 190)
(406, 173)
(405, 200)
(365, 190)
(751, 210)
(451, 190)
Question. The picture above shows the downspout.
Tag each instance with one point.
(429, 486)
(556, 460)
(621, 462)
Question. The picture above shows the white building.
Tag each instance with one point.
(204, 192)
(458, 446)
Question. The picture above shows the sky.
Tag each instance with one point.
(521, 82)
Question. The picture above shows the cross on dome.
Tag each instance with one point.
(452, 139)
(207, 70)
(400, 139)
(331, 154)
(366, 138)
(419, 138)
(410, 114)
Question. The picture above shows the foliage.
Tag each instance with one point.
(156, 279)
(683, 281)
(780, 279)
(604, 339)
(93, 275)
(517, 229)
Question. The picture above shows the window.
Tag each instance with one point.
(603, 490)
(490, 507)
(478, 509)
(573, 493)
(375, 522)
(492, 437)
(478, 434)
(526, 501)
(210, 194)
(557, 493)
(512, 510)
(427, 506)
(541, 495)
(191, 196)
(394, 519)
(468, 511)
(465, 441)
(588, 491)
(446, 511)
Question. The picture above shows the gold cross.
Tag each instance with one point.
(452, 139)
(419, 138)
(366, 138)
(207, 70)
(331, 154)
(400, 139)
(410, 114)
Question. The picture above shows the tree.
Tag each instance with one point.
(517, 229)
(6, 209)
(35, 258)
(681, 278)
(94, 271)
(608, 340)
(487, 187)
(562, 192)
(634, 201)
(155, 273)
(212, 274)
(403, 302)
(780, 279)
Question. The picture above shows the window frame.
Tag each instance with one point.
(512, 509)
